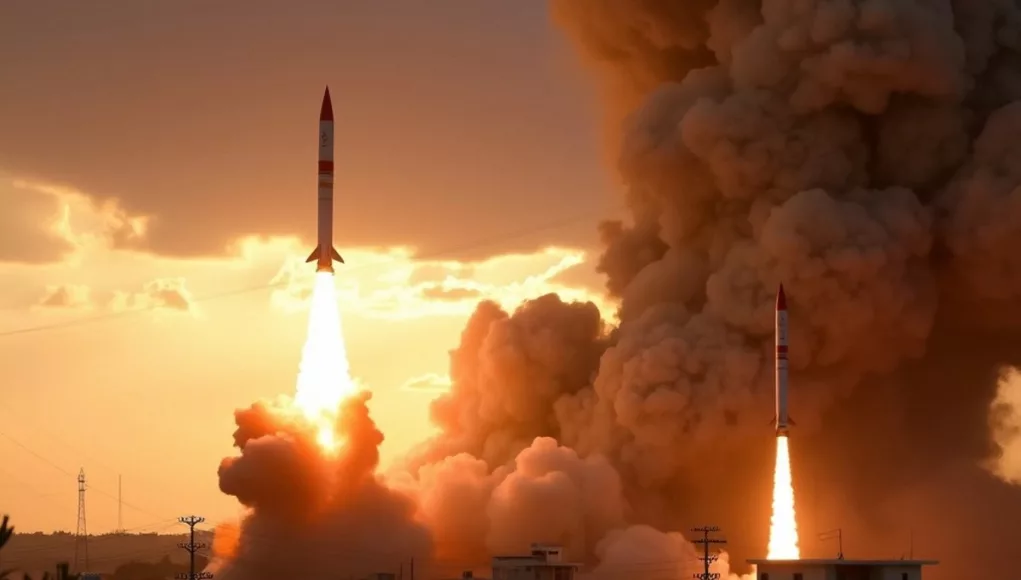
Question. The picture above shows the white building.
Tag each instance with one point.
(840, 569)
(544, 563)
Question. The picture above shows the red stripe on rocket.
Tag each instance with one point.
(325, 253)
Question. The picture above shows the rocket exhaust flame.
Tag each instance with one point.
(783, 526)
(324, 377)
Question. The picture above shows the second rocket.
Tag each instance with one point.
(782, 420)
(325, 253)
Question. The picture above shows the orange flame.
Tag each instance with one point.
(783, 527)
(324, 377)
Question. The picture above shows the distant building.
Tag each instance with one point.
(840, 569)
(469, 575)
(544, 563)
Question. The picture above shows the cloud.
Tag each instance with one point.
(164, 293)
(392, 285)
(29, 226)
(89, 222)
(46, 224)
(438, 292)
(160, 294)
(71, 296)
(429, 383)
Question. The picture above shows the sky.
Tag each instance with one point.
(157, 178)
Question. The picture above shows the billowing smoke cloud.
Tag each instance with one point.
(864, 154)
(313, 512)
(507, 374)
(546, 494)
(645, 552)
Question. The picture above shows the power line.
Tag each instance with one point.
(70, 474)
(91, 461)
(478, 243)
(40, 429)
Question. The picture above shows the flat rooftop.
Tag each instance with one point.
(533, 561)
(842, 562)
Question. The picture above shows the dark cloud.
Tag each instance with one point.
(28, 222)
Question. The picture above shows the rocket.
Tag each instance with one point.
(782, 419)
(325, 253)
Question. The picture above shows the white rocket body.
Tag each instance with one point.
(324, 254)
(782, 386)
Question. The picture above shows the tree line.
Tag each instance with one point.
(159, 570)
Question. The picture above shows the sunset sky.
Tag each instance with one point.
(157, 160)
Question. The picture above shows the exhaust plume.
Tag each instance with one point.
(313, 510)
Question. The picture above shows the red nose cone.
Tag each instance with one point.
(781, 299)
(326, 113)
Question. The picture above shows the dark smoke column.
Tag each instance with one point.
(868, 153)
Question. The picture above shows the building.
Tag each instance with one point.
(469, 575)
(544, 563)
(840, 569)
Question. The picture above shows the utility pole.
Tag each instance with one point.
(706, 557)
(120, 507)
(192, 547)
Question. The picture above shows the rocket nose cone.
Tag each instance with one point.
(781, 299)
(326, 113)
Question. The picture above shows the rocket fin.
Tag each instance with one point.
(335, 254)
(790, 420)
(314, 255)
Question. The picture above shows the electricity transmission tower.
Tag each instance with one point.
(192, 547)
(706, 557)
(81, 533)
